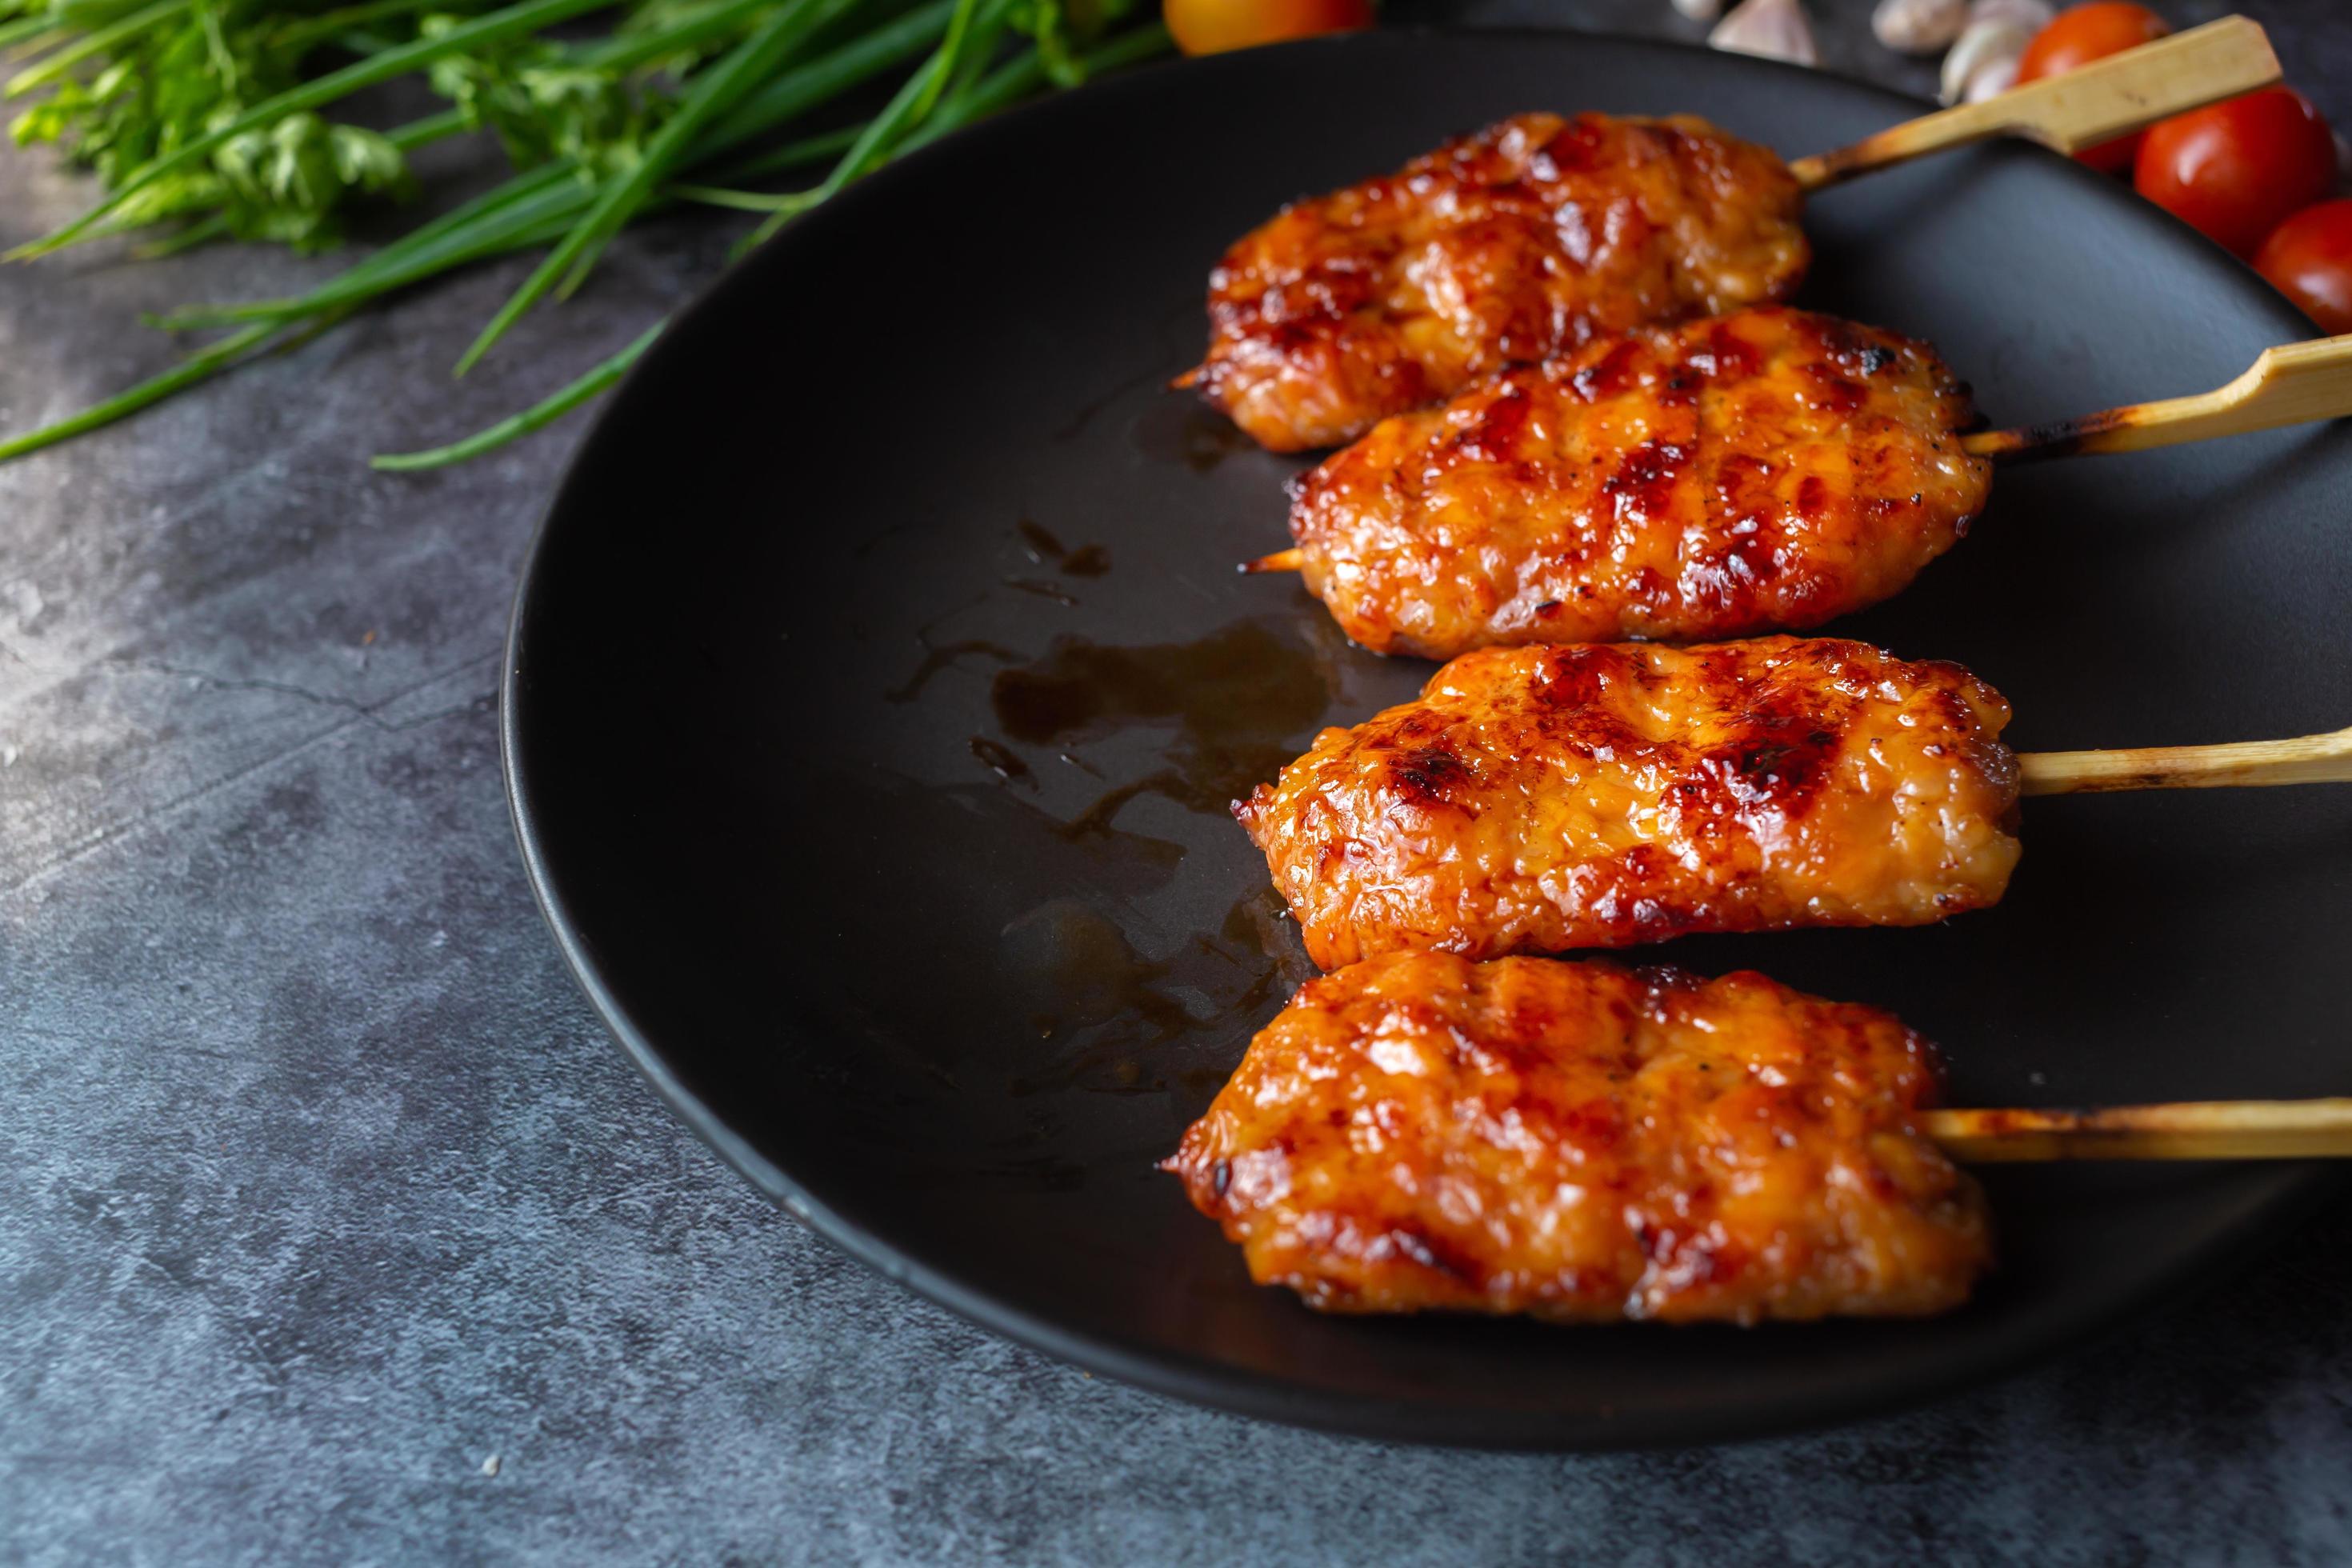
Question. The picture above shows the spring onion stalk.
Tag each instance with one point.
(318, 29)
(906, 108)
(97, 43)
(798, 91)
(537, 417)
(203, 231)
(25, 28)
(417, 133)
(187, 373)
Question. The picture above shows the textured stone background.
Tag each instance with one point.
(333, 1229)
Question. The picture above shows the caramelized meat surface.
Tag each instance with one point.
(1537, 799)
(1769, 471)
(1528, 238)
(1585, 1143)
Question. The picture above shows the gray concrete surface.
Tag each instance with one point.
(333, 1229)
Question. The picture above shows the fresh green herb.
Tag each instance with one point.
(538, 414)
(208, 120)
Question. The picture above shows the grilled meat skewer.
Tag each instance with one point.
(1586, 1143)
(1543, 798)
(1539, 799)
(1770, 469)
(1527, 238)
(1533, 236)
(1583, 1143)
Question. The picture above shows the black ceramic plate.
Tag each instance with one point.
(881, 674)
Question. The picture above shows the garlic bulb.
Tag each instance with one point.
(1776, 29)
(1983, 46)
(1918, 27)
(1700, 10)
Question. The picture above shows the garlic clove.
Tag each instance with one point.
(1992, 79)
(1700, 10)
(2033, 13)
(1982, 45)
(1918, 27)
(1775, 30)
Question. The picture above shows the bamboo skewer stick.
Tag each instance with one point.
(2196, 1130)
(2111, 98)
(2305, 759)
(1280, 561)
(2293, 384)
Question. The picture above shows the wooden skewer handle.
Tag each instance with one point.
(2294, 384)
(2206, 1130)
(2307, 759)
(2102, 100)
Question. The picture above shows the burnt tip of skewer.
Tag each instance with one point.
(2056, 438)
(1280, 561)
(1824, 169)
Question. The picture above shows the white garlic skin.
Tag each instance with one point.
(1918, 27)
(2033, 13)
(1775, 30)
(1982, 46)
(1700, 10)
(1991, 81)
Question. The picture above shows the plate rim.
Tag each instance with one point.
(1194, 1379)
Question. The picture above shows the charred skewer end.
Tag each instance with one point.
(2057, 438)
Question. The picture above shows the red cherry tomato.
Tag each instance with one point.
(2080, 35)
(1208, 26)
(2235, 170)
(2308, 259)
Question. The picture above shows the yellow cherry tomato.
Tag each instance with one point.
(1210, 26)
